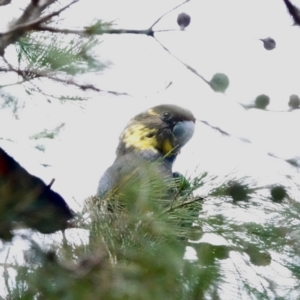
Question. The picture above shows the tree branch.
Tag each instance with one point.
(29, 19)
(294, 11)
(183, 63)
(222, 131)
(87, 31)
(149, 31)
(41, 19)
(4, 2)
(14, 83)
(33, 74)
(172, 208)
(168, 13)
(25, 23)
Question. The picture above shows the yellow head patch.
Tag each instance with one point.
(140, 138)
(151, 112)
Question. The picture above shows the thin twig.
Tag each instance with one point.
(32, 11)
(51, 182)
(167, 30)
(222, 131)
(38, 74)
(7, 62)
(170, 209)
(7, 265)
(29, 19)
(4, 2)
(87, 32)
(214, 127)
(11, 84)
(183, 63)
(28, 25)
(294, 11)
(246, 141)
(36, 25)
(4, 70)
(168, 13)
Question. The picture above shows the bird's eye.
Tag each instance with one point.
(166, 116)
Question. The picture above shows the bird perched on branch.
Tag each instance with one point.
(152, 138)
(27, 199)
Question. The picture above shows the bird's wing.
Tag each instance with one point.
(134, 166)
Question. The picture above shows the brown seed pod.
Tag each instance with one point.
(183, 20)
(294, 102)
(269, 43)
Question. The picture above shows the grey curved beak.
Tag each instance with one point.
(183, 131)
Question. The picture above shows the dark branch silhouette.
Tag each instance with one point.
(31, 74)
(294, 11)
(29, 19)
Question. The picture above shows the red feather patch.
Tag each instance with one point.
(4, 167)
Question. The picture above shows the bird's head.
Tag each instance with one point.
(162, 130)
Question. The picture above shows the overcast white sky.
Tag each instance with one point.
(223, 37)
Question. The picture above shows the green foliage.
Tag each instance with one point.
(238, 191)
(134, 252)
(138, 237)
(71, 55)
(49, 134)
(257, 257)
(98, 27)
(9, 101)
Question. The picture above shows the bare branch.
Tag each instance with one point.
(213, 127)
(28, 25)
(36, 25)
(14, 83)
(222, 131)
(33, 74)
(51, 182)
(148, 31)
(166, 30)
(27, 21)
(186, 65)
(4, 2)
(32, 11)
(5, 70)
(168, 13)
(13, 34)
(289, 161)
(86, 32)
(31, 20)
(7, 62)
(294, 11)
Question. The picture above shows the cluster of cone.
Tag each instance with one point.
(184, 20)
